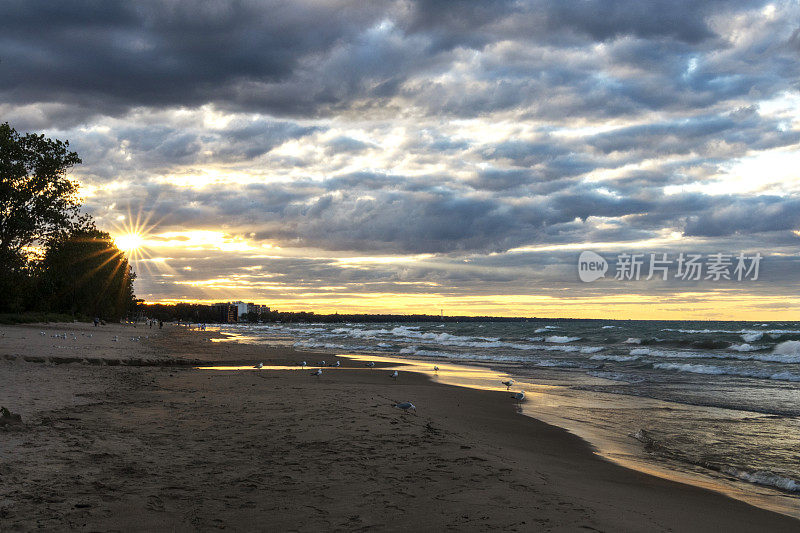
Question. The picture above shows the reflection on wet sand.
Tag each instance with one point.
(556, 405)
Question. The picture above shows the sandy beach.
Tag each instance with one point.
(128, 435)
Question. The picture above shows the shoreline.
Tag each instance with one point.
(612, 448)
(619, 448)
(175, 447)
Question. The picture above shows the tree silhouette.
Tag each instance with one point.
(37, 204)
(52, 257)
(84, 272)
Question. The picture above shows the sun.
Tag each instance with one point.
(129, 242)
(133, 236)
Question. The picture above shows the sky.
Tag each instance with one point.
(419, 156)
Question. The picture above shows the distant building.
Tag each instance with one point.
(257, 309)
(225, 312)
(241, 308)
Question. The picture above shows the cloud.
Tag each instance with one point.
(307, 59)
(463, 130)
(730, 215)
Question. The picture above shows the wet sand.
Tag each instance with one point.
(127, 436)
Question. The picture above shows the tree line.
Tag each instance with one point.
(200, 313)
(53, 259)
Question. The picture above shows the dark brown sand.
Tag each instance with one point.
(127, 447)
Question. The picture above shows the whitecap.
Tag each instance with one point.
(592, 349)
(744, 347)
(762, 477)
(751, 337)
(787, 348)
(561, 339)
(719, 370)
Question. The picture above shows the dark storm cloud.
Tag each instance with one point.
(743, 129)
(320, 57)
(117, 53)
(730, 215)
(603, 20)
(133, 149)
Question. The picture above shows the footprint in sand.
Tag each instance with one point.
(154, 503)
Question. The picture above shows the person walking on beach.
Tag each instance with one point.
(160, 324)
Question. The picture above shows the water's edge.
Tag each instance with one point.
(543, 402)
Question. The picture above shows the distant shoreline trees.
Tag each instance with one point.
(198, 313)
(52, 257)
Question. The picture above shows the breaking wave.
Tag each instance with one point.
(728, 371)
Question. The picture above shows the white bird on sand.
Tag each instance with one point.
(322, 363)
(259, 365)
(394, 375)
(405, 406)
(370, 364)
(435, 368)
(519, 396)
(508, 383)
(303, 364)
(115, 339)
(317, 373)
(335, 364)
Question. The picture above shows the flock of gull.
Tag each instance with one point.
(405, 406)
(74, 337)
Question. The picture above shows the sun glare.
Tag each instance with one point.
(129, 242)
(132, 236)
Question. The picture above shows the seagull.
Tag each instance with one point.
(303, 364)
(115, 339)
(508, 383)
(405, 406)
(322, 363)
(370, 364)
(435, 368)
(519, 396)
(335, 364)
(317, 373)
(259, 365)
(394, 375)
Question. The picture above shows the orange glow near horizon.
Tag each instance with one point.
(170, 255)
(621, 307)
